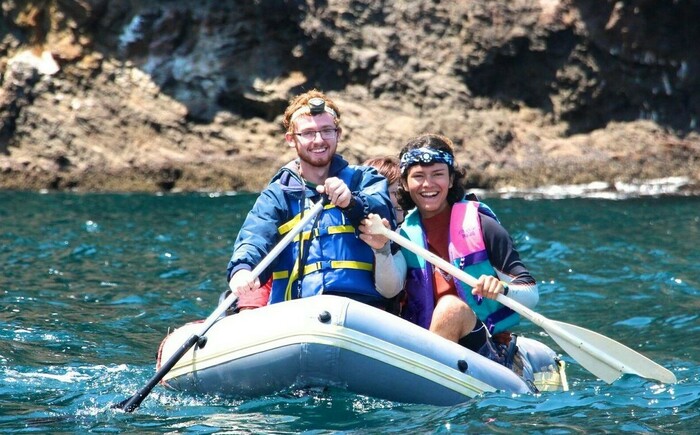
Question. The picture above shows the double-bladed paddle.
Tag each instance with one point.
(134, 401)
(602, 356)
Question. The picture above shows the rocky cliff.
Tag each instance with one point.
(101, 95)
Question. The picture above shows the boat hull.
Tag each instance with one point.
(329, 341)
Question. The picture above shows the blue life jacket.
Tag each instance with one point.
(334, 259)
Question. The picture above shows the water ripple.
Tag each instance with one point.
(92, 283)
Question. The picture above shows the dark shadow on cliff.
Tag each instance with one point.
(635, 63)
(648, 53)
(518, 75)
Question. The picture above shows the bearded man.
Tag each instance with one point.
(329, 257)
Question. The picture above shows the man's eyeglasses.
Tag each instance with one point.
(326, 134)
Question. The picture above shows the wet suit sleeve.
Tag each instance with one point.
(505, 259)
(390, 271)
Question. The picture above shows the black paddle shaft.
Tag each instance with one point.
(134, 401)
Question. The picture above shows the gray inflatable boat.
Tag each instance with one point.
(330, 341)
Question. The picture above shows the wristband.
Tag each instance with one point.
(505, 288)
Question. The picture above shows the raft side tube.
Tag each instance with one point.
(330, 341)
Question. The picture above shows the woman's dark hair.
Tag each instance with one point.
(436, 142)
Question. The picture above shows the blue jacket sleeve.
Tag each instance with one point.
(258, 234)
(371, 195)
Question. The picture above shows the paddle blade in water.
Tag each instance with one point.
(602, 356)
(605, 357)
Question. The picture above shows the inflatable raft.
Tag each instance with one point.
(330, 341)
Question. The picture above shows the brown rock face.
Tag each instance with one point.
(100, 95)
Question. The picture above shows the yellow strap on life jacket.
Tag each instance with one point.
(287, 226)
(314, 267)
(295, 275)
(305, 237)
(282, 274)
(335, 229)
(319, 265)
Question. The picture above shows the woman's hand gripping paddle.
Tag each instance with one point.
(602, 356)
(134, 401)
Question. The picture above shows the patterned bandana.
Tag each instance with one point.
(424, 156)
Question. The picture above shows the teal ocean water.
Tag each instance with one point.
(91, 283)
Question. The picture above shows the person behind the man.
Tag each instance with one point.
(332, 259)
(388, 259)
(388, 166)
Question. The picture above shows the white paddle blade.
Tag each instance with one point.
(602, 356)
(605, 357)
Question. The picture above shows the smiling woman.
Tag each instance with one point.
(428, 187)
(467, 233)
(432, 174)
